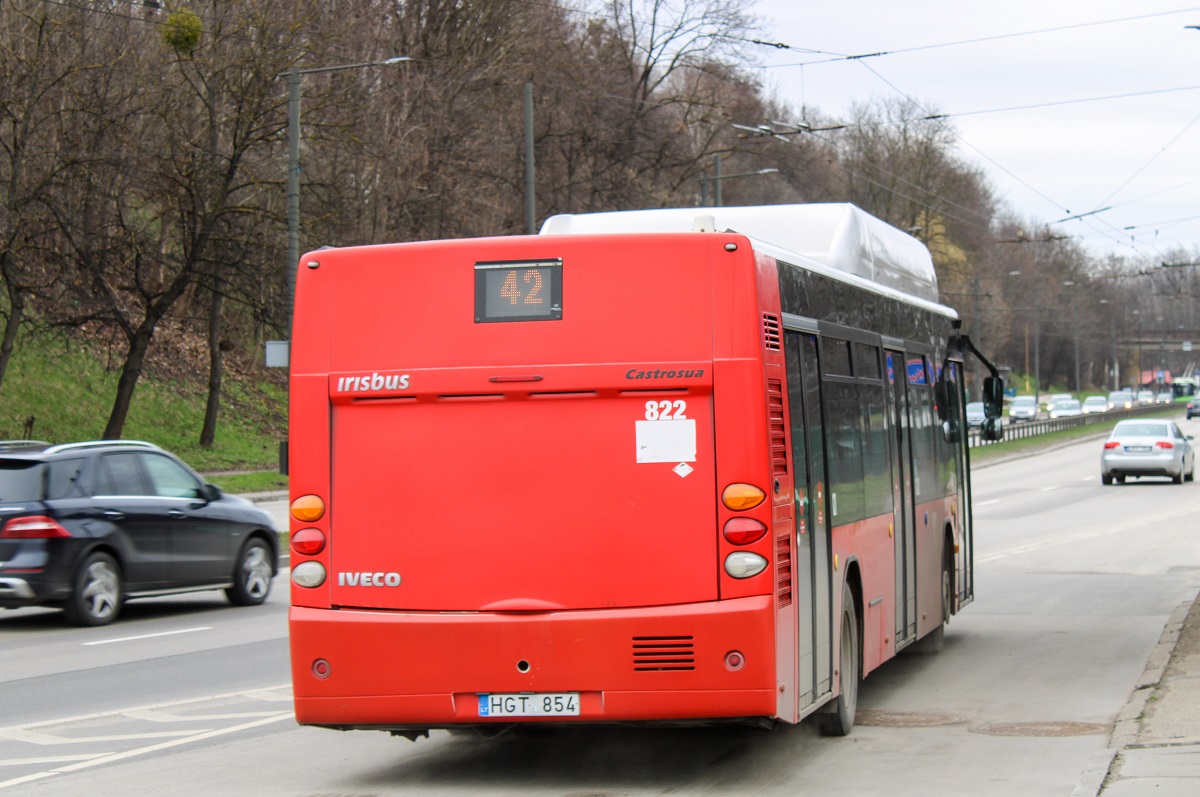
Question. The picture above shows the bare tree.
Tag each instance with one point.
(34, 106)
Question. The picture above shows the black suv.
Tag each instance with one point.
(86, 526)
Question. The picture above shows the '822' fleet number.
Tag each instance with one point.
(666, 410)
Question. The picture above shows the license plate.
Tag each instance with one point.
(530, 704)
(1137, 449)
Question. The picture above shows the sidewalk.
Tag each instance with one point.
(1155, 746)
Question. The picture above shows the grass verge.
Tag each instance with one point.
(60, 389)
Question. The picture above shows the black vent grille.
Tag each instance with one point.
(771, 331)
(663, 653)
(778, 434)
(783, 571)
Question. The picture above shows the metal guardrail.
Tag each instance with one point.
(1020, 431)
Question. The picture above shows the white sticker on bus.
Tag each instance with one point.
(666, 441)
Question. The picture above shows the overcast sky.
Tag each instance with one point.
(1139, 155)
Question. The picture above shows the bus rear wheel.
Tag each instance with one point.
(840, 719)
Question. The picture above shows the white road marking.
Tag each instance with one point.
(978, 504)
(46, 739)
(148, 636)
(157, 706)
(150, 715)
(76, 763)
(114, 757)
(50, 759)
(1051, 487)
(1151, 520)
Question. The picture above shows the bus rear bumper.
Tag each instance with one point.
(392, 670)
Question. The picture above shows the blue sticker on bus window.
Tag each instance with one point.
(891, 370)
(916, 371)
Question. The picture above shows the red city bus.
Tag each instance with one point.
(629, 469)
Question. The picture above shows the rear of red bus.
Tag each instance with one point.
(507, 466)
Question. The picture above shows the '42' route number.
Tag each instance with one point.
(666, 410)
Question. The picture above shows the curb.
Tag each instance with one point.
(258, 498)
(1128, 724)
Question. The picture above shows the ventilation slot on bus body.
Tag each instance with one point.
(659, 653)
(778, 434)
(770, 332)
(783, 571)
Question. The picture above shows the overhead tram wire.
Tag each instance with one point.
(1151, 160)
(939, 208)
(861, 58)
(989, 159)
(844, 57)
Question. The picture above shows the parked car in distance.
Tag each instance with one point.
(1023, 408)
(1093, 404)
(1145, 398)
(1147, 448)
(1120, 400)
(1164, 397)
(87, 526)
(1193, 408)
(1066, 408)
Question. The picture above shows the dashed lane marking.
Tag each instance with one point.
(147, 636)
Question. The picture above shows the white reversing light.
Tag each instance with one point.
(743, 564)
(308, 574)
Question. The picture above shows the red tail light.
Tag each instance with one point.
(744, 530)
(34, 527)
(1164, 444)
(308, 542)
(1112, 444)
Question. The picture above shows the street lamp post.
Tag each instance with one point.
(718, 177)
(1116, 356)
(1037, 364)
(1138, 367)
(1075, 324)
(293, 186)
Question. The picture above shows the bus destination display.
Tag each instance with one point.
(522, 291)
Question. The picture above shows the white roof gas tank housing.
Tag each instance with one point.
(840, 235)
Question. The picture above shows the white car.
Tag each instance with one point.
(1065, 408)
(1120, 400)
(1093, 404)
(1023, 408)
(1147, 448)
(1056, 398)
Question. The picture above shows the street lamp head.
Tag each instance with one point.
(767, 171)
(396, 60)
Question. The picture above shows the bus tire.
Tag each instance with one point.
(840, 718)
(937, 637)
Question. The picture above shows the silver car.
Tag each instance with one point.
(1065, 408)
(975, 414)
(1147, 448)
(1120, 400)
(1023, 408)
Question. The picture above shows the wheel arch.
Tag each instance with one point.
(854, 580)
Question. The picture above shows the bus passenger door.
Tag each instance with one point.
(812, 566)
(904, 536)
